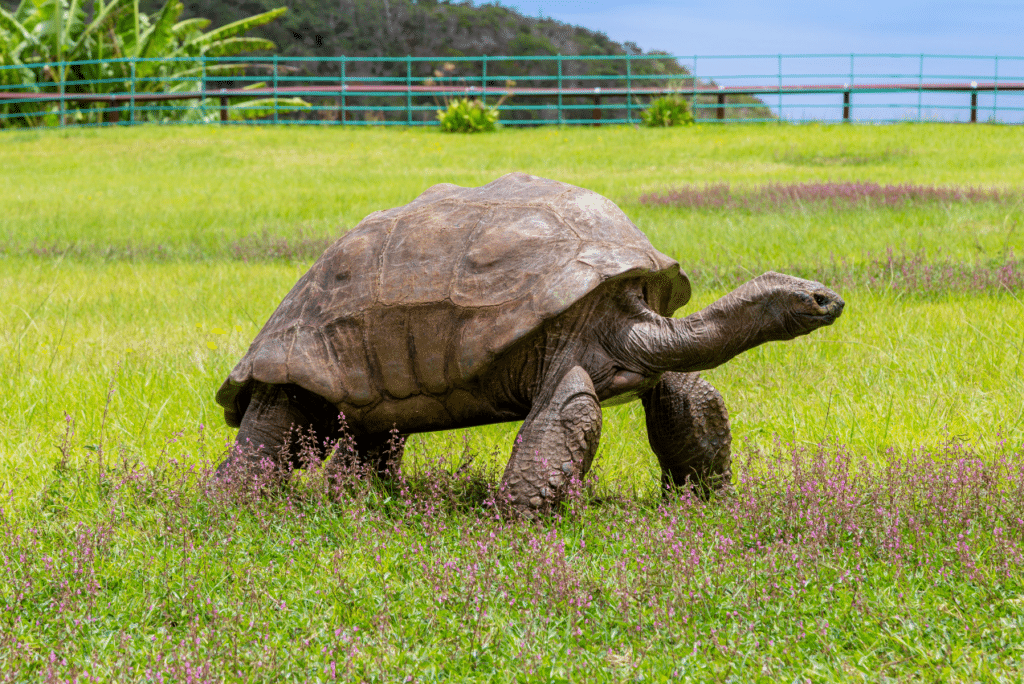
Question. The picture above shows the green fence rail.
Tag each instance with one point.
(529, 90)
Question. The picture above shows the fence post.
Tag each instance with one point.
(559, 89)
(693, 95)
(131, 105)
(920, 84)
(202, 89)
(974, 105)
(721, 105)
(223, 106)
(780, 87)
(275, 89)
(408, 89)
(995, 88)
(60, 85)
(846, 98)
(483, 79)
(629, 91)
(343, 118)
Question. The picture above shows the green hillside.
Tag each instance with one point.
(392, 29)
(428, 28)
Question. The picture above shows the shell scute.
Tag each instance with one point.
(417, 265)
(432, 330)
(498, 270)
(345, 280)
(388, 341)
(355, 386)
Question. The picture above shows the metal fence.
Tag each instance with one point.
(528, 90)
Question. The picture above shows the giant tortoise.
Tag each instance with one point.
(524, 299)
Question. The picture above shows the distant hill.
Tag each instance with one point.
(433, 28)
(396, 28)
(442, 29)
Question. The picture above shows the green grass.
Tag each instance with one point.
(127, 187)
(139, 307)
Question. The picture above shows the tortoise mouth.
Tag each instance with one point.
(821, 319)
(827, 316)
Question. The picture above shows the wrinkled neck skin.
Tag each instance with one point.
(641, 345)
(625, 346)
(705, 339)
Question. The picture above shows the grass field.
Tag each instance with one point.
(877, 527)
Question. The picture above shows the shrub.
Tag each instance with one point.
(467, 116)
(671, 110)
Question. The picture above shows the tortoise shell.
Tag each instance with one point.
(423, 298)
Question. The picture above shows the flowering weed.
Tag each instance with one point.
(831, 195)
(815, 559)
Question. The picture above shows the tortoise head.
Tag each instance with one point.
(771, 307)
(783, 307)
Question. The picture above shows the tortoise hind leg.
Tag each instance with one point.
(380, 454)
(688, 429)
(555, 446)
(284, 427)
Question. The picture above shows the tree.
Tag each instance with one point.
(57, 44)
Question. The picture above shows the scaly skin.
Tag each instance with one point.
(555, 446)
(688, 428)
(607, 348)
(285, 427)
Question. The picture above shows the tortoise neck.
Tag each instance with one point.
(702, 340)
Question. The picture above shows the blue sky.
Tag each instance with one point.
(983, 27)
(747, 27)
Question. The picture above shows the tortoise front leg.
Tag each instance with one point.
(284, 426)
(555, 446)
(688, 428)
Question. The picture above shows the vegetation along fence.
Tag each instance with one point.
(528, 90)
